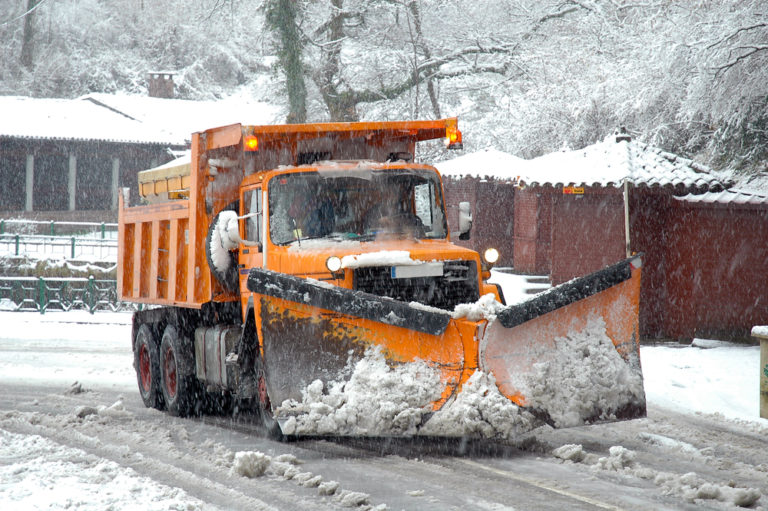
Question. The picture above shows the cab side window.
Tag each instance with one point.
(253, 212)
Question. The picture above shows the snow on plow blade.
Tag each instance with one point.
(571, 355)
(348, 363)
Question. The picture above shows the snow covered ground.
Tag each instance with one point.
(60, 348)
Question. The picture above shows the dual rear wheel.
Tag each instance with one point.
(165, 371)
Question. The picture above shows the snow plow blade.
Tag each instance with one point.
(342, 362)
(571, 355)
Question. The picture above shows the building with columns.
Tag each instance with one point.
(66, 159)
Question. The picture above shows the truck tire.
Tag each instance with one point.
(178, 382)
(146, 360)
(267, 420)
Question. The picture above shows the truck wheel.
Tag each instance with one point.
(146, 360)
(177, 371)
(266, 418)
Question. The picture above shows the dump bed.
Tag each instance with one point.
(161, 255)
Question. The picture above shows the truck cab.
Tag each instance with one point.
(316, 221)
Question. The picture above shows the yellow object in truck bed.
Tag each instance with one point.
(169, 181)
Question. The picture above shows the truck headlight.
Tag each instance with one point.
(333, 264)
(491, 255)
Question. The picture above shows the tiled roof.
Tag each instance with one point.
(731, 197)
(611, 162)
(488, 163)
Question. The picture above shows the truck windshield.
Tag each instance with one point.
(359, 205)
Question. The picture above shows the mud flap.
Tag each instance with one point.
(571, 355)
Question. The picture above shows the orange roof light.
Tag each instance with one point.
(453, 138)
(250, 143)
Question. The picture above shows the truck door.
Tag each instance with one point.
(251, 253)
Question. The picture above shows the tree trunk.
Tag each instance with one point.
(281, 16)
(27, 42)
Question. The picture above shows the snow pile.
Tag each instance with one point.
(377, 400)
(689, 486)
(380, 400)
(618, 459)
(585, 379)
(570, 452)
(480, 410)
(286, 466)
(37, 473)
(250, 464)
(485, 308)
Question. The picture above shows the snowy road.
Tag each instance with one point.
(100, 448)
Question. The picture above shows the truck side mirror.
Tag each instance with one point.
(465, 220)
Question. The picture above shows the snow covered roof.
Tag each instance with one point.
(731, 196)
(69, 119)
(489, 163)
(124, 118)
(611, 162)
(180, 118)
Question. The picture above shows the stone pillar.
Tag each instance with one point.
(72, 182)
(115, 181)
(30, 182)
(761, 334)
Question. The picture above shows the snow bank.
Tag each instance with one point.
(46, 475)
(584, 379)
(689, 486)
(722, 380)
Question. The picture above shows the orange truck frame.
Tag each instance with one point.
(278, 256)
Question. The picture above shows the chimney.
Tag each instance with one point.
(622, 135)
(161, 84)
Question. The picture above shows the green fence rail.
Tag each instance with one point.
(63, 294)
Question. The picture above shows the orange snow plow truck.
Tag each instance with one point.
(306, 272)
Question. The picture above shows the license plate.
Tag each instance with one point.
(417, 270)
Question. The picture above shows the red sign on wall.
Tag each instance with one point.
(573, 190)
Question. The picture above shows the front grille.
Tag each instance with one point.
(457, 285)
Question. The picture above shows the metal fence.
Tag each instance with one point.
(62, 247)
(63, 240)
(44, 294)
